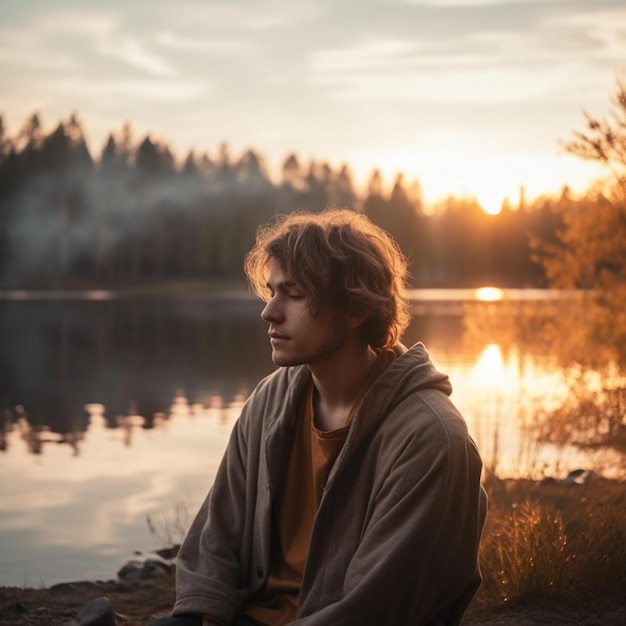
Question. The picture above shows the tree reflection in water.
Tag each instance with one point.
(529, 374)
(141, 361)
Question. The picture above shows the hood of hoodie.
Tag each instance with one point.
(412, 371)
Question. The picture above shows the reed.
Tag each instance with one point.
(170, 527)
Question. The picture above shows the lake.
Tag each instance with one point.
(117, 407)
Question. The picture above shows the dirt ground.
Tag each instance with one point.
(136, 603)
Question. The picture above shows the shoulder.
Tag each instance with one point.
(426, 435)
(429, 413)
(277, 394)
(421, 411)
(284, 380)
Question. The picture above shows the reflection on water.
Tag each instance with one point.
(129, 356)
(115, 409)
(69, 518)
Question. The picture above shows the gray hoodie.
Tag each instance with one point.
(395, 539)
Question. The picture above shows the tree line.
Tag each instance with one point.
(135, 213)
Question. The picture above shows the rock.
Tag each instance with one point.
(141, 570)
(131, 570)
(16, 607)
(98, 612)
(547, 480)
(575, 477)
(155, 568)
(579, 477)
(73, 587)
(169, 553)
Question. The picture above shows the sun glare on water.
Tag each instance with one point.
(489, 294)
(490, 370)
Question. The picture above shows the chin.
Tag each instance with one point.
(282, 360)
(278, 362)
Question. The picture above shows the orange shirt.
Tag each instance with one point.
(313, 453)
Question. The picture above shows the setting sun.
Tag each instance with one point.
(459, 168)
(490, 203)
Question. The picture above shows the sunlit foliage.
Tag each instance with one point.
(592, 254)
(590, 251)
(604, 139)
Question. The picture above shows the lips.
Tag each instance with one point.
(277, 339)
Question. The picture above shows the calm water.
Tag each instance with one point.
(116, 409)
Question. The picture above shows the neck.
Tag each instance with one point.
(338, 383)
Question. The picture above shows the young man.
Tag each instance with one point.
(350, 492)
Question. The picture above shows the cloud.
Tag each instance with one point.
(401, 70)
(47, 42)
(107, 37)
(132, 51)
(226, 16)
(24, 49)
(600, 33)
(147, 89)
(473, 3)
(491, 62)
(78, 23)
(209, 45)
(370, 56)
(475, 86)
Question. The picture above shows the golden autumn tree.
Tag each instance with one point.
(591, 251)
(590, 255)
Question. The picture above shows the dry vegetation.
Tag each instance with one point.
(554, 545)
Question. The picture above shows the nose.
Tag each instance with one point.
(271, 312)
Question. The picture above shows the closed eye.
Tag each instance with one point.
(285, 289)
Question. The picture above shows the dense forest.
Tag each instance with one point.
(136, 213)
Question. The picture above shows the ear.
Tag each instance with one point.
(356, 318)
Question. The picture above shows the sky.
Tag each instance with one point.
(471, 97)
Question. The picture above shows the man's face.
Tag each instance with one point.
(296, 335)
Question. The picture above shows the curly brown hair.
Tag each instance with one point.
(340, 256)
